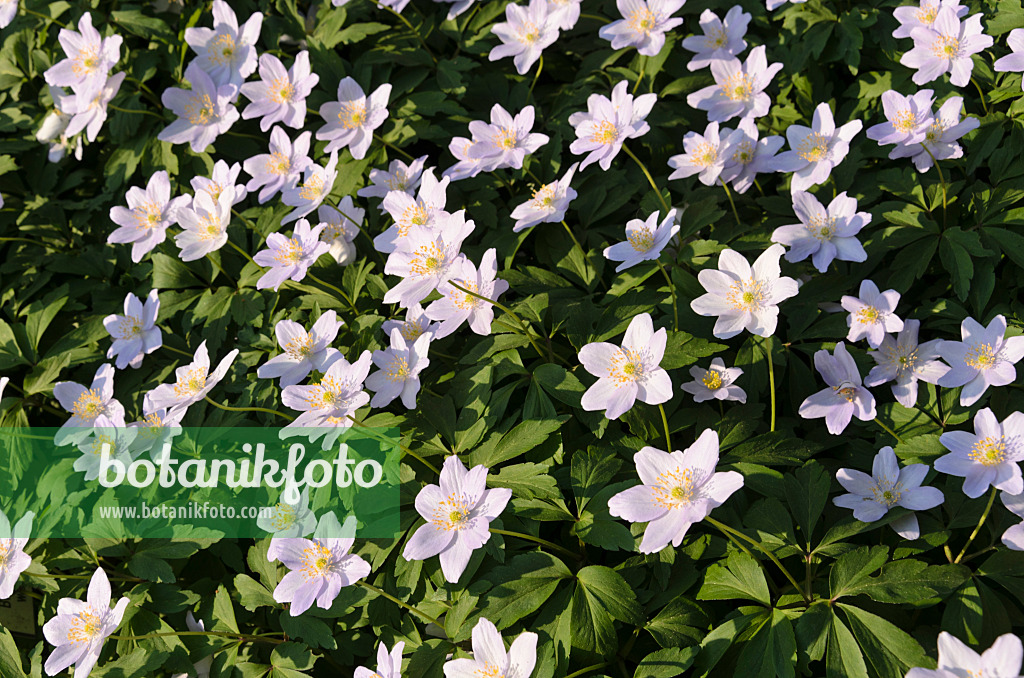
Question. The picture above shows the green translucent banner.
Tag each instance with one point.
(200, 482)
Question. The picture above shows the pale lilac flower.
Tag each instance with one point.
(316, 185)
(564, 14)
(1002, 660)
(815, 150)
(678, 490)
(107, 437)
(53, 129)
(824, 234)
(457, 307)
(716, 382)
(135, 333)
(750, 156)
(87, 404)
(990, 456)
(398, 370)
(628, 373)
(548, 204)
(745, 297)
(282, 167)
(871, 496)
(423, 212)
(922, 16)
(722, 39)
(1015, 60)
(524, 34)
(775, 4)
(304, 351)
(13, 559)
(643, 24)
(154, 430)
(226, 52)
(738, 88)
(644, 240)
(457, 7)
(3, 384)
(940, 138)
(467, 165)
(1013, 537)
(144, 222)
(319, 568)
(88, 107)
(287, 519)
(458, 512)
(335, 398)
(985, 357)
(903, 361)
(389, 665)
(290, 258)
(398, 177)
(426, 260)
(601, 131)
(78, 630)
(506, 141)
(872, 315)
(416, 323)
(490, 657)
(205, 225)
(280, 96)
(706, 155)
(946, 47)
(204, 112)
(8, 10)
(203, 666)
(341, 226)
(352, 119)
(192, 382)
(844, 396)
(907, 118)
(89, 57)
(221, 180)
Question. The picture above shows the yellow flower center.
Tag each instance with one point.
(313, 188)
(85, 626)
(748, 295)
(316, 561)
(642, 20)
(675, 488)
(815, 147)
(89, 405)
(981, 356)
(278, 163)
(352, 114)
(200, 109)
(192, 383)
(281, 91)
(605, 133)
(221, 49)
(641, 240)
(989, 451)
(299, 347)
(398, 369)
(712, 380)
(869, 315)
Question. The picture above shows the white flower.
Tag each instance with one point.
(715, 382)
(135, 333)
(548, 204)
(644, 240)
(192, 382)
(824, 235)
(398, 372)
(873, 315)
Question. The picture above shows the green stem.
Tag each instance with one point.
(246, 409)
(411, 30)
(942, 179)
(538, 540)
(596, 18)
(179, 351)
(981, 95)
(394, 148)
(650, 179)
(396, 601)
(540, 67)
(135, 110)
(771, 377)
(664, 422)
(219, 634)
(672, 291)
(43, 16)
(640, 78)
(506, 309)
(47, 575)
(242, 252)
(977, 529)
(771, 556)
(589, 669)
(889, 431)
(400, 446)
(732, 203)
(13, 239)
(336, 289)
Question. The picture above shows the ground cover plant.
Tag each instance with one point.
(698, 321)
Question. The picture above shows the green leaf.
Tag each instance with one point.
(10, 659)
(843, 658)
(739, 577)
(252, 594)
(601, 596)
(890, 650)
(590, 470)
(315, 632)
(807, 495)
(666, 663)
(521, 587)
(681, 622)
(427, 661)
(291, 656)
(527, 480)
(521, 439)
(771, 651)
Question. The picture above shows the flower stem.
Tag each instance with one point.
(242, 252)
(942, 179)
(732, 203)
(771, 377)
(981, 95)
(596, 18)
(664, 422)
(411, 30)
(336, 289)
(134, 110)
(640, 77)
(650, 179)
(889, 430)
(396, 601)
(540, 67)
(394, 148)
(672, 291)
(246, 409)
(589, 669)
(47, 575)
(43, 16)
(178, 350)
(220, 634)
(400, 446)
(13, 239)
(542, 542)
(977, 529)
(771, 556)
(512, 314)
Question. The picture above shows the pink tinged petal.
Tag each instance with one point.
(428, 541)
(907, 527)
(651, 463)
(921, 498)
(953, 654)
(856, 482)
(1013, 537)
(488, 647)
(637, 505)
(838, 418)
(455, 559)
(607, 394)
(656, 389)
(522, 655)
(659, 533)
(734, 262)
